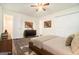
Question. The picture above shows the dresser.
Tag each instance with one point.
(6, 46)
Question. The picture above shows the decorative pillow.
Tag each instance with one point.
(75, 44)
(69, 40)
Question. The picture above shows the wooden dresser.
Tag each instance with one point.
(6, 46)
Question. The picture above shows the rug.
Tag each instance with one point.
(22, 46)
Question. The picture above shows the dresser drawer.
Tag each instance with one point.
(5, 45)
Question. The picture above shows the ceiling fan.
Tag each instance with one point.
(40, 6)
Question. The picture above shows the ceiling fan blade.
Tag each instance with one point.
(33, 6)
(44, 9)
(46, 4)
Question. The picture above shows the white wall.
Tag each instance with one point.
(64, 22)
(66, 25)
(18, 22)
(1, 20)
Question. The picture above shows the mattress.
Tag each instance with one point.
(38, 41)
(57, 46)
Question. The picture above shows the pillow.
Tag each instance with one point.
(69, 40)
(75, 44)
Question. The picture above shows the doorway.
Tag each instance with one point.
(8, 24)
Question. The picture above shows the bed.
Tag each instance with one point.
(50, 45)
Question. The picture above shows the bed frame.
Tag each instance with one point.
(38, 51)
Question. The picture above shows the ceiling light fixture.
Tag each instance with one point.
(40, 6)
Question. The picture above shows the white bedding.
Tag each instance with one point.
(57, 46)
(54, 44)
(39, 40)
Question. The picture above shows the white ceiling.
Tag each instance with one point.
(30, 11)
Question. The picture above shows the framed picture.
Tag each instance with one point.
(47, 24)
(29, 24)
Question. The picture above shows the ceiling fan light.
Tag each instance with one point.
(41, 6)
